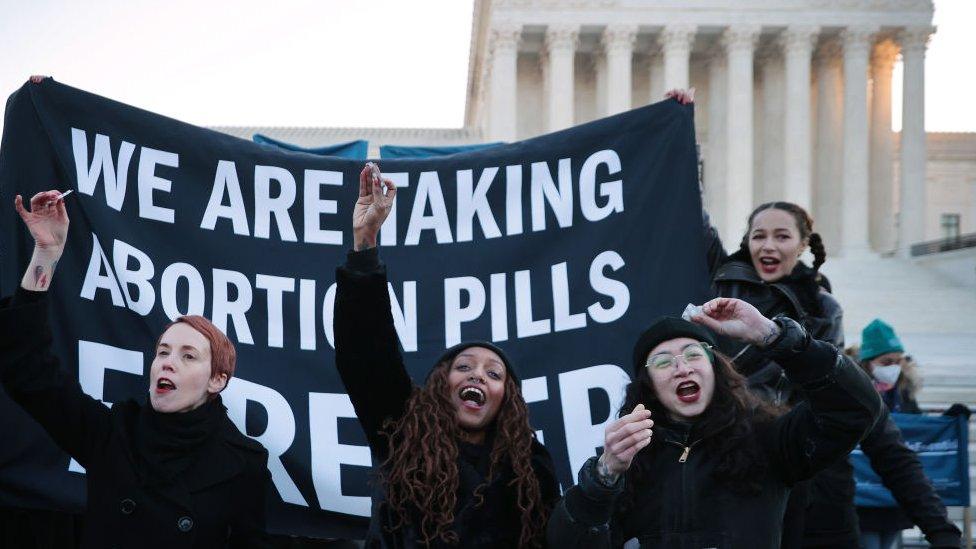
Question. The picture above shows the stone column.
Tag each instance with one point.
(618, 45)
(503, 80)
(911, 218)
(676, 41)
(656, 74)
(881, 191)
(797, 43)
(715, 150)
(770, 105)
(739, 42)
(854, 206)
(600, 71)
(829, 145)
(561, 42)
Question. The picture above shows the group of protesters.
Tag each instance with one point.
(733, 433)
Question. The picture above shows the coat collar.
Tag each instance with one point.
(737, 271)
(219, 460)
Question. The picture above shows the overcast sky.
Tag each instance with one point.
(386, 63)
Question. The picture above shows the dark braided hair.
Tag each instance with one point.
(421, 474)
(804, 224)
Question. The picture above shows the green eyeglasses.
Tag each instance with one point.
(693, 354)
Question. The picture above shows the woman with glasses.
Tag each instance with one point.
(695, 460)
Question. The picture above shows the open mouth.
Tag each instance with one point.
(769, 264)
(688, 392)
(472, 397)
(164, 385)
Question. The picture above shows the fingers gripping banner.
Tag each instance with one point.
(560, 249)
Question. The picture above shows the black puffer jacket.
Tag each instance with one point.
(823, 508)
(372, 369)
(684, 506)
(217, 502)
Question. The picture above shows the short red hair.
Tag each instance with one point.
(223, 355)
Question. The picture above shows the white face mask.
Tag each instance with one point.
(887, 374)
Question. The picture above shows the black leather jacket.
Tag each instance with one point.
(826, 514)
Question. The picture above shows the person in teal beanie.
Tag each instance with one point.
(895, 374)
(896, 377)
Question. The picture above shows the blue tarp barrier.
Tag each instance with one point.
(356, 150)
(942, 445)
(398, 151)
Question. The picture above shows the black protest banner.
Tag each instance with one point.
(560, 249)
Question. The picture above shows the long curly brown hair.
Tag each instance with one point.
(421, 473)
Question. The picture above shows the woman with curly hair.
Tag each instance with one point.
(458, 464)
(717, 469)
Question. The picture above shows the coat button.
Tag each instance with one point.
(185, 524)
(127, 506)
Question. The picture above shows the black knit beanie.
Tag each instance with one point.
(456, 350)
(663, 329)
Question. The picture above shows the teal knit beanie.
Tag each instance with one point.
(878, 338)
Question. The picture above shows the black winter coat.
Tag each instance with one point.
(217, 502)
(824, 511)
(684, 506)
(372, 369)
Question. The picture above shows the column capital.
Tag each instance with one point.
(799, 39)
(563, 37)
(915, 38)
(678, 36)
(618, 37)
(883, 55)
(505, 37)
(858, 38)
(741, 37)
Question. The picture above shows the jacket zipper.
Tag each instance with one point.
(685, 496)
(686, 449)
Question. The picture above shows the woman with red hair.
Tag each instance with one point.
(169, 472)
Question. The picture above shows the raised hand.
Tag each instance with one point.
(47, 222)
(372, 208)
(622, 440)
(47, 219)
(737, 319)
